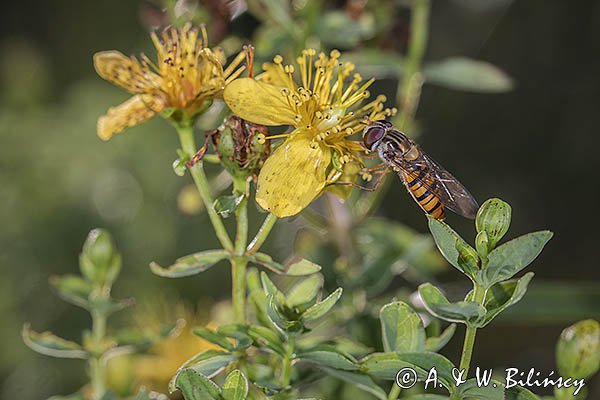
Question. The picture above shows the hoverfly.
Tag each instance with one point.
(429, 184)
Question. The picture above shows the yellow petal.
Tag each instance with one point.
(292, 177)
(258, 102)
(125, 72)
(130, 113)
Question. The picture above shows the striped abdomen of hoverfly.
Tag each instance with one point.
(428, 201)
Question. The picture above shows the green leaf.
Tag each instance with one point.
(207, 363)
(276, 315)
(196, 386)
(264, 337)
(191, 264)
(493, 218)
(99, 261)
(438, 342)
(428, 360)
(385, 366)
(470, 390)
(401, 328)
(578, 350)
(470, 75)
(265, 260)
(226, 205)
(329, 358)
(239, 332)
(305, 292)
(302, 267)
(323, 307)
(213, 337)
(73, 289)
(509, 259)
(503, 295)
(361, 381)
(436, 303)
(235, 386)
(339, 30)
(449, 243)
(519, 393)
(51, 345)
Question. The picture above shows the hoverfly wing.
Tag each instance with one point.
(427, 173)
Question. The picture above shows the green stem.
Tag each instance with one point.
(262, 234)
(188, 145)
(286, 371)
(467, 352)
(394, 392)
(97, 365)
(239, 262)
(409, 92)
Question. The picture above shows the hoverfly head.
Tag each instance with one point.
(374, 132)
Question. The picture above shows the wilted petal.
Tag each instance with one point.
(126, 115)
(123, 71)
(259, 102)
(293, 176)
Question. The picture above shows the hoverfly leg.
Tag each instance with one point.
(379, 170)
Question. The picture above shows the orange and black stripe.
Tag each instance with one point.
(427, 200)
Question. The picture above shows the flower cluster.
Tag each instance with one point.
(184, 80)
(325, 108)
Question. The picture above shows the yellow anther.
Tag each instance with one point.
(349, 131)
(367, 177)
(345, 159)
(335, 53)
(261, 138)
(289, 69)
(277, 59)
(313, 145)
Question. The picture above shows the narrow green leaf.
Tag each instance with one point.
(503, 295)
(323, 307)
(235, 386)
(470, 75)
(191, 264)
(359, 380)
(213, 337)
(196, 386)
(226, 205)
(264, 337)
(509, 259)
(239, 333)
(401, 328)
(73, 289)
(328, 358)
(305, 292)
(428, 360)
(265, 260)
(276, 316)
(449, 243)
(436, 343)
(436, 303)
(49, 344)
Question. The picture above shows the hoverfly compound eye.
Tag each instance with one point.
(372, 135)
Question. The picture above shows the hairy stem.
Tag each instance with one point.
(188, 145)
(409, 92)
(97, 365)
(467, 352)
(262, 234)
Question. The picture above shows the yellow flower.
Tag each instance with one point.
(324, 106)
(186, 76)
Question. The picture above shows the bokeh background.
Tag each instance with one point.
(535, 146)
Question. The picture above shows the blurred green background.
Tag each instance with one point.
(535, 146)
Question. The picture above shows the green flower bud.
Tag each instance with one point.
(99, 262)
(578, 350)
(467, 257)
(493, 218)
(482, 244)
(241, 146)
